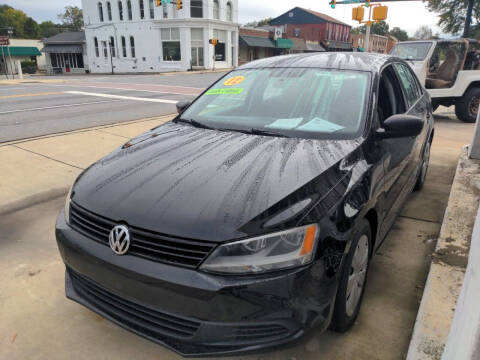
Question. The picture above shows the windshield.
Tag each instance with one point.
(295, 102)
(411, 51)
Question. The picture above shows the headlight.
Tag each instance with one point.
(67, 205)
(269, 252)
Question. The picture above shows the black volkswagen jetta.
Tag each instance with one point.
(252, 216)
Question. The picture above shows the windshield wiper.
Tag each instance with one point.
(255, 131)
(195, 123)
(267, 133)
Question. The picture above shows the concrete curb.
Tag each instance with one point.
(449, 262)
(55, 181)
(464, 338)
(31, 200)
(100, 127)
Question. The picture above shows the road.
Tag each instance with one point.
(39, 322)
(76, 102)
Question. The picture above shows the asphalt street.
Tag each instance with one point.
(77, 102)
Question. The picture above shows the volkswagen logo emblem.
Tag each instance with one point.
(119, 239)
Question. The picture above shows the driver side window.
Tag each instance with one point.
(390, 96)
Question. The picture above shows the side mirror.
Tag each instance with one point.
(398, 126)
(183, 105)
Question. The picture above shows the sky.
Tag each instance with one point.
(406, 15)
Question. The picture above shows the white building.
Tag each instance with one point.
(137, 36)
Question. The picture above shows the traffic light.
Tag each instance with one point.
(179, 5)
(333, 3)
(358, 13)
(380, 13)
(213, 41)
(367, 3)
(159, 2)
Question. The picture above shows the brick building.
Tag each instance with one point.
(314, 28)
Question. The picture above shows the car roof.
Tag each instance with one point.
(358, 61)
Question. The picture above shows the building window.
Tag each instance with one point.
(105, 49)
(216, 10)
(109, 11)
(164, 10)
(97, 51)
(197, 47)
(124, 46)
(152, 9)
(196, 8)
(129, 10)
(171, 44)
(142, 9)
(100, 11)
(221, 36)
(132, 46)
(229, 12)
(120, 10)
(112, 47)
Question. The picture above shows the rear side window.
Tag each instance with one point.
(409, 84)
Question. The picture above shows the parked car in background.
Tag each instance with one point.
(450, 71)
(252, 216)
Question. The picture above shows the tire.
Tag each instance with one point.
(466, 107)
(424, 168)
(347, 307)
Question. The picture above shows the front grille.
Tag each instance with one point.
(260, 332)
(145, 320)
(144, 243)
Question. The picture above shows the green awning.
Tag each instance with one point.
(256, 41)
(284, 43)
(20, 51)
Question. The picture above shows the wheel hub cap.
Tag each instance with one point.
(356, 278)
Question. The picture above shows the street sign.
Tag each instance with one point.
(4, 41)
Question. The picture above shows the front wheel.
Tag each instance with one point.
(353, 279)
(466, 108)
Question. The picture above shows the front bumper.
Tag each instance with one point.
(191, 312)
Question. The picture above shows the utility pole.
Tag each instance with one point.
(10, 33)
(468, 19)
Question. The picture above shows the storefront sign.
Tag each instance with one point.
(4, 41)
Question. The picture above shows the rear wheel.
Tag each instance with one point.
(423, 171)
(466, 108)
(353, 279)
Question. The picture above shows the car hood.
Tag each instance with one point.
(203, 184)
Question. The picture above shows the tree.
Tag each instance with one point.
(423, 33)
(31, 29)
(380, 28)
(72, 18)
(258, 23)
(399, 34)
(453, 14)
(16, 19)
(48, 29)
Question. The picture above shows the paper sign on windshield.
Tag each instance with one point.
(224, 91)
(234, 80)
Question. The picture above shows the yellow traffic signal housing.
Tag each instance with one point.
(213, 41)
(380, 13)
(179, 4)
(358, 13)
(159, 2)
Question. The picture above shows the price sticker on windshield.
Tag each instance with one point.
(234, 80)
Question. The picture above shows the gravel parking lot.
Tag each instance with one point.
(38, 322)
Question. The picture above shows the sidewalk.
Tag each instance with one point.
(449, 263)
(36, 170)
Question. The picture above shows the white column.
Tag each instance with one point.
(474, 148)
(19, 69)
